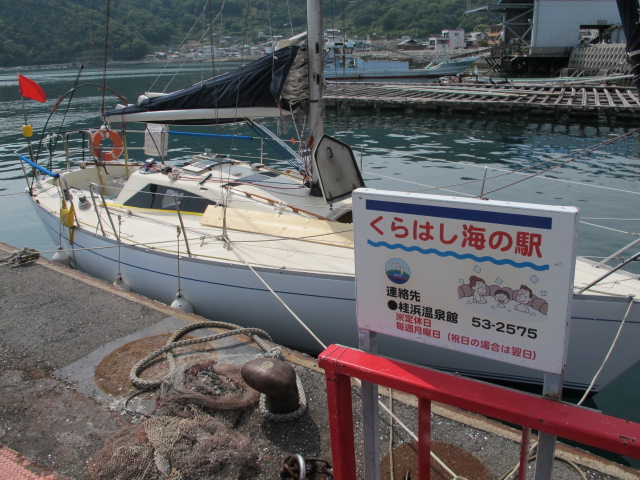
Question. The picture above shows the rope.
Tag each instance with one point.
(298, 319)
(20, 258)
(411, 434)
(172, 344)
(254, 333)
(606, 358)
(14, 193)
(285, 417)
(533, 457)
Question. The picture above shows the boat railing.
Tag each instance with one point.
(95, 190)
(182, 229)
(530, 412)
(78, 147)
(611, 271)
(618, 253)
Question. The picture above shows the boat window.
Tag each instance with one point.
(160, 197)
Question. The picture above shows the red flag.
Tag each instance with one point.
(30, 89)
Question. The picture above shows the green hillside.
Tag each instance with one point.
(58, 31)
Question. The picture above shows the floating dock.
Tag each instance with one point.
(68, 342)
(580, 101)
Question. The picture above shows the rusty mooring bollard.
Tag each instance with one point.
(276, 379)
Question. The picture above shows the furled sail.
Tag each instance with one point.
(254, 90)
(630, 17)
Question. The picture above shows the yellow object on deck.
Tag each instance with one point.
(285, 226)
(66, 215)
(27, 131)
(67, 218)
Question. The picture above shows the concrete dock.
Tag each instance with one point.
(68, 342)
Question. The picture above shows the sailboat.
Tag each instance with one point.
(238, 240)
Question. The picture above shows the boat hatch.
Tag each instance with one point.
(204, 162)
(161, 197)
(260, 177)
(337, 169)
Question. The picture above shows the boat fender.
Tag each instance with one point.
(182, 304)
(27, 131)
(121, 284)
(61, 257)
(99, 152)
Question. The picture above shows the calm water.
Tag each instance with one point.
(397, 152)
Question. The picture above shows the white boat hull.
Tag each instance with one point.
(389, 70)
(230, 291)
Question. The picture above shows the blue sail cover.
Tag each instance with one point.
(629, 15)
(225, 98)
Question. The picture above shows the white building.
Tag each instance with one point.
(557, 24)
(553, 27)
(449, 40)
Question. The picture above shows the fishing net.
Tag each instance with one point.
(190, 435)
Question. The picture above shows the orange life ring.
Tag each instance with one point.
(103, 154)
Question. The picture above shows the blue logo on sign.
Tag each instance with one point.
(397, 271)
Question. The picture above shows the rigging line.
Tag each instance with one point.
(617, 281)
(198, 42)
(270, 26)
(518, 172)
(558, 162)
(106, 49)
(429, 187)
(298, 319)
(608, 228)
(211, 40)
(506, 172)
(64, 117)
(290, 19)
(184, 40)
(612, 218)
(580, 154)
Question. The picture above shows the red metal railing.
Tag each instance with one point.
(530, 411)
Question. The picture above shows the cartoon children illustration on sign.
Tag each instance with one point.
(500, 295)
(523, 297)
(479, 287)
(502, 298)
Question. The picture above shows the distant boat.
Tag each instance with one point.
(341, 64)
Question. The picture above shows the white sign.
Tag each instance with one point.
(156, 140)
(487, 278)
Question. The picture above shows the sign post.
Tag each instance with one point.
(487, 278)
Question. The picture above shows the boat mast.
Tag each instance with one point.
(315, 41)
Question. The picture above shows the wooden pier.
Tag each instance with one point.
(585, 101)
